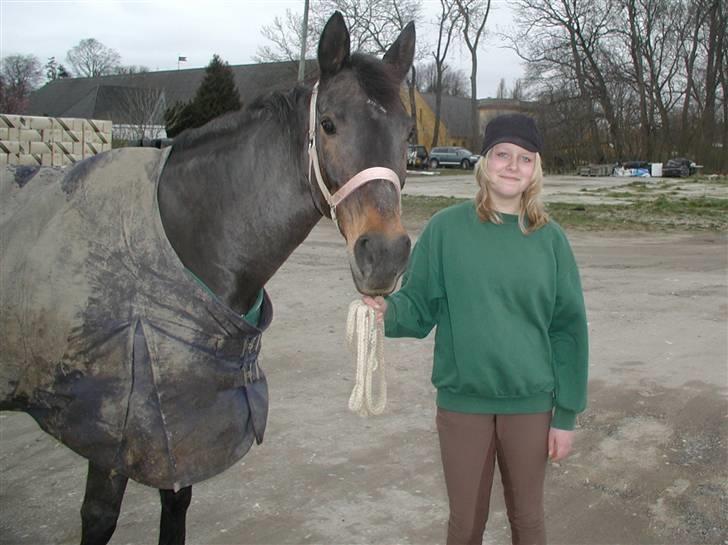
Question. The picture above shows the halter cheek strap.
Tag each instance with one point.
(358, 180)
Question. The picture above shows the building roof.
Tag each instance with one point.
(120, 103)
(94, 97)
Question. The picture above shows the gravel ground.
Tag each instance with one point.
(650, 465)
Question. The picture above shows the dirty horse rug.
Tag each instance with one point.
(107, 340)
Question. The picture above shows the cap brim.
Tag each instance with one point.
(525, 144)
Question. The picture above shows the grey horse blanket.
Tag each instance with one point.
(107, 340)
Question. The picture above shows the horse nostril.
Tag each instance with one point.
(365, 254)
(407, 244)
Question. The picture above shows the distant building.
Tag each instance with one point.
(135, 103)
(425, 119)
(488, 108)
(455, 114)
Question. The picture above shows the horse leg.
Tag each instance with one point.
(101, 505)
(174, 512)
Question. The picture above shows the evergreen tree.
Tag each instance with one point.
(216, 95)
(54, 70)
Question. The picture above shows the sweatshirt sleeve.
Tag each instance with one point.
(413, 310)
(569, 340)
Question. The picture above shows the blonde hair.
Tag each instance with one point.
(532, 214)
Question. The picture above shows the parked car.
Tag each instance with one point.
(452, 156)
(636, 164)
(680, 167)
(417, 156)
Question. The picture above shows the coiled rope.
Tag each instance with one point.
(365, 336)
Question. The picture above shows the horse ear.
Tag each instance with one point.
(402, 52)
(334, 46)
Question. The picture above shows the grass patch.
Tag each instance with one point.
(620, 194)
(641, 186)
(419, 208)
(664, 213)
(660, 214)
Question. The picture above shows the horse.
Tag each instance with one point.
(132, 287)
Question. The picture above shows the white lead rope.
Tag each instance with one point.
(365, 336)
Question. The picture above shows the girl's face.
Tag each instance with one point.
(510, 170)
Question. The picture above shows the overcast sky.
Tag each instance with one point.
(153, 33)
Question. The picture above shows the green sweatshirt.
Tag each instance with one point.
(511, 332)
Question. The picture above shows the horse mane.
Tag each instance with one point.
(278, 105)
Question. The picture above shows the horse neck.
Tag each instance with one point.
(235, 206)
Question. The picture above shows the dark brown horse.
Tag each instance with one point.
(142, 356)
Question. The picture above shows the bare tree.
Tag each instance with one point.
(517, 92)
(383, 20)
(633, 79)
(651, 39)
(447, 25)
(722, 163)
(715, 49)
(90, 58)
(141, 112)
(502, 90)
(373, 27)
(695, 16)
(571, 38)
(636, 36)
(365, 19)
(19, 76)
(474, 14)
(130, 69)
(454, 82)
(286, 36)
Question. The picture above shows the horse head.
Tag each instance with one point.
(357, 145)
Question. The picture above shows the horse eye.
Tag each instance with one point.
(328, 126)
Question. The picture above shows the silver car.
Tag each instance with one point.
(453, 156)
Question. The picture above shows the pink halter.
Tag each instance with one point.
(359, 179)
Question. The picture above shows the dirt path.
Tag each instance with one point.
(651, 463)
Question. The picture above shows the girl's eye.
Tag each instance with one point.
(526, 159)
(328, 126)
(502, 155)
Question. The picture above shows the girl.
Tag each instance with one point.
(498, 279)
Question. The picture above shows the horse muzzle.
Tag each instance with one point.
(378, 261)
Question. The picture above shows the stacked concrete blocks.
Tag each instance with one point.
(51, 141)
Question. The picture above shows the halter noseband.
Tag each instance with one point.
(358, 180)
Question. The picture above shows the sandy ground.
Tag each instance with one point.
(651, 464)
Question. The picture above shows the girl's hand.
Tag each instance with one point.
(378, 304)
(560, 444)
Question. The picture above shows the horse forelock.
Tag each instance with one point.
(378, 82)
